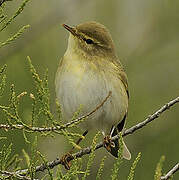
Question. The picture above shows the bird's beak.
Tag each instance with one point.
(70, 29)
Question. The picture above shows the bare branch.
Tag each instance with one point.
(151, 117)
(171, 172)
(9, 175)
(87, 150)
(55, 128)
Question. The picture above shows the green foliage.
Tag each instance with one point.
(13, 106)
(59, 112)
(5, 153)
(27, 158)
(15, 36)
(2, 79)
(69, 137)
(6, 22)
(74, 171)
(33, 160)
(59, 174)
(41, 106)
(43, 96)
(19, 11)
(3, 138)
(50, 173)
(158, 171)
(100, 170)
(8, 160)
(91, 156)
(132, 170)
(2, 15)
(11, 110)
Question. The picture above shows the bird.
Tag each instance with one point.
(88, 71)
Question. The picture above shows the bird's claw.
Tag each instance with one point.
(108, 143)
(65, 160)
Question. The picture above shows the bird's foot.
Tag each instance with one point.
(108, 143)
(66, 160)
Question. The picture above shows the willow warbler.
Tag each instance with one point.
(88, 71)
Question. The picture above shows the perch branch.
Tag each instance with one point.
(9, 175)
(55, 128)
(87, 150)
(171, 172)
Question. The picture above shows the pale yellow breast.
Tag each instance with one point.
(79, 82)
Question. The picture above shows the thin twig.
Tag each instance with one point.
(9, 175)
(55, 128)
(151, 117)
(171, 172)
(87, 150)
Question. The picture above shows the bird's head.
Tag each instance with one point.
(91, 39)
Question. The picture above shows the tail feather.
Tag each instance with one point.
(126, 154)
(114, 150)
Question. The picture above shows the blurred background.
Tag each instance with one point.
(146, 36)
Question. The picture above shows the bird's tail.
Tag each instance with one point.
(114, 150)
(126, 152)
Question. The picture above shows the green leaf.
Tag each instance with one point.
(158, 171)
(43, 96)
(19, 10)
(25, 137)
(100, 170)
(3, 138)
(2, 79)
(27, 158)
(91, 156)
(14, 37)
(50, 173)
(132, 170)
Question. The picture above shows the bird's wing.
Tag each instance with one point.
(122, 75)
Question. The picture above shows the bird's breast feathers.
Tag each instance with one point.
(80, 83)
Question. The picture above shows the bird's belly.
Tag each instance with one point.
(87, 89)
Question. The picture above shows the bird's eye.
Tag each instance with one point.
(89, 41)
